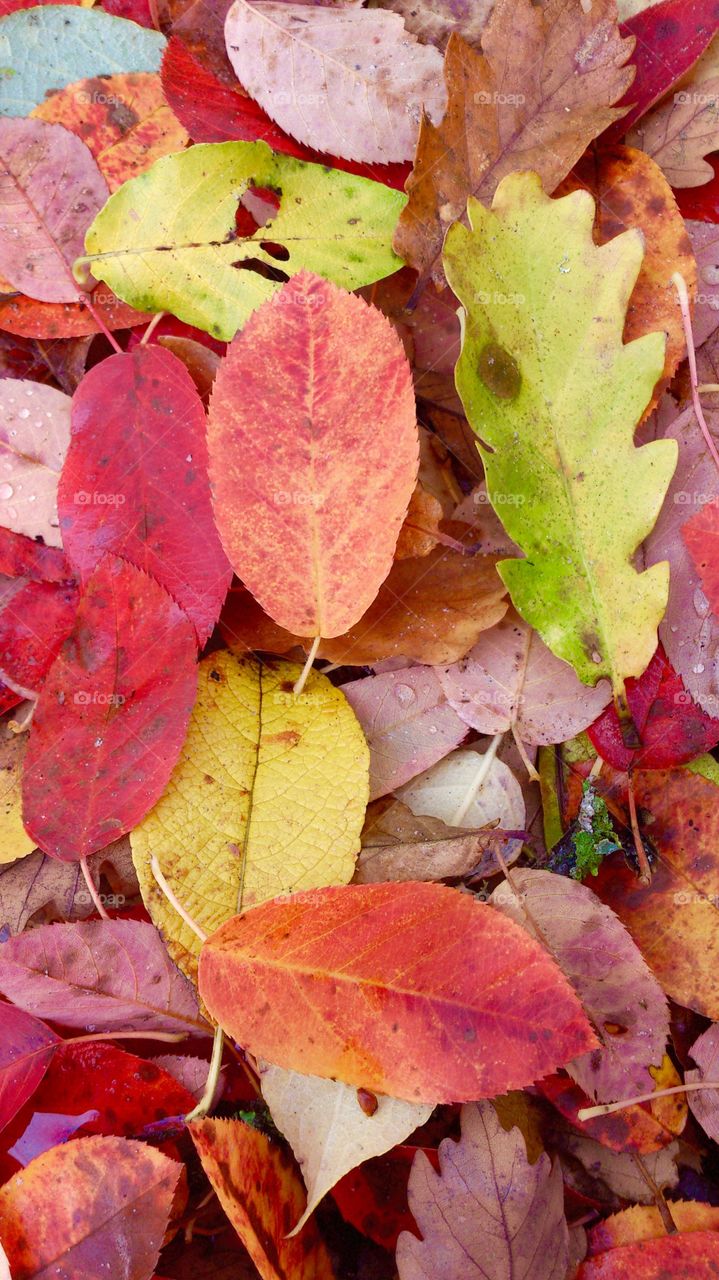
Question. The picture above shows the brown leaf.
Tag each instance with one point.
(681, 131)
(419, 533)
(428, 608)
(39, 889)
(674, 919)
(542, 88)
(400, 845)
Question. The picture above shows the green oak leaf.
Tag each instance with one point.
(554, 396)
(166, 241)
(53, 45)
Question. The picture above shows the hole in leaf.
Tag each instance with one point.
(278, 251)
(262, 269)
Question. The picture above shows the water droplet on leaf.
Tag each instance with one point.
(404, 694)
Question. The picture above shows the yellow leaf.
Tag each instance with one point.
(14, 841)
(268, 797)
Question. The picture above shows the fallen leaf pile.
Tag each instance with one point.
(359, 640)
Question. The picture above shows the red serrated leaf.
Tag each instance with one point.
(33, 624)
(672, 728)
(26, 1048)
(135, 481)
(22, 557)
(112, 716)
(410, 989)
(313, 460)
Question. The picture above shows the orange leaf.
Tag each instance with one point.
(313, 454)
(123, 119)
(644, 1222)
(675, 1257)
(262, 1194)
(410, 989)
(92, 1207)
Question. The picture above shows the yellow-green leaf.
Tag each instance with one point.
(167, 241)
(554, 396)
(268, 797)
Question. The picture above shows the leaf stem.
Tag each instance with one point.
(487, 761)
(608, 1108)
(174, 901)
(681, 288)
(168, 1037)
(670, 1225)
(301, 682)
(533, 775)
(92, 890)
(645, 871)
(596, 769)
(84, 299)
(151, 328)
(213, 1076)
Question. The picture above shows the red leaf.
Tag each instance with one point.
(670, 38)
(631, 1129)
(134, 10)
(310, 518)
(128, 1092)
(112, 715)
(212, 112)
(27, 318)
(701, 537)
(33, 625)
(672, 728)
(26, 1048)
(676, 1257)
(373, 1197)
(21, 557)
(410, 989)
(135, 481)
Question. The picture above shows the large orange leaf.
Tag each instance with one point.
(262, 1194)
(410, 989)
(313, 454)
(93, 1207)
